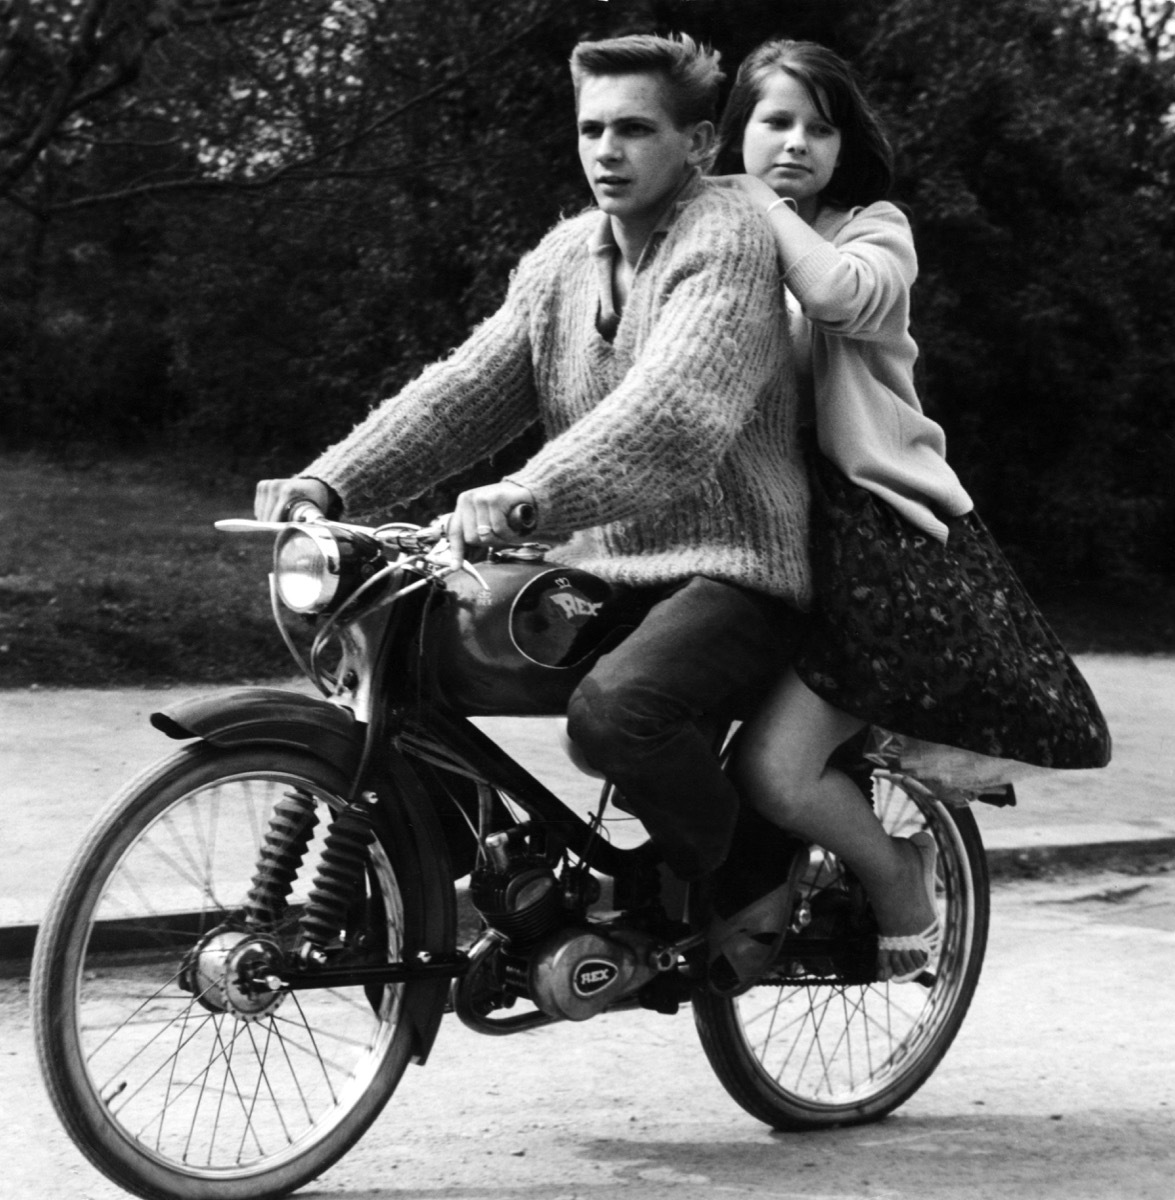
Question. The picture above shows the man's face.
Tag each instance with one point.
(633, 154)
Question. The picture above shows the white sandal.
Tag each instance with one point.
(928, 941)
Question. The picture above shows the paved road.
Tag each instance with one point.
(63, 752)
(1060, 1087)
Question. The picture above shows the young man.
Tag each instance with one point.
(649, 338)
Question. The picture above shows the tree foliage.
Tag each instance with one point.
(1035, 158)
(236, 224)
(1145, 25)
(289, 204)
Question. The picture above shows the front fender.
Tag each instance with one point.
(269, 716)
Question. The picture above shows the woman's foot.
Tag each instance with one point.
(907, 915)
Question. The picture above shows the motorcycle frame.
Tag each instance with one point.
(372, 726)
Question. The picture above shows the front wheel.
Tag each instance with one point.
(822, 1052)
(172, 1077)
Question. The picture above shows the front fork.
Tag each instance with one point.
(337, 888)
(337, 882)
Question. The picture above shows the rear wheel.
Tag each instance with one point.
(812, 1049)
(170, 1069)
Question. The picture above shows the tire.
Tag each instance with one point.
(175, 1096)
(814, 1055)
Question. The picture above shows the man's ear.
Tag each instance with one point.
(701, 144)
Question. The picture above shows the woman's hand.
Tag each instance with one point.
(482, 517)
(274, 497)
(761, 193)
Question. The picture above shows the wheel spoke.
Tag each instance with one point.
(285, 1049)
(140, 1052)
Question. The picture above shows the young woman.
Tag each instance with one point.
(920, 627)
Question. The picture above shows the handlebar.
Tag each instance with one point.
(522, 519)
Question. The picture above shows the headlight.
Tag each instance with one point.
(306, 566)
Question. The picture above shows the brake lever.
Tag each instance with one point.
(247, 525)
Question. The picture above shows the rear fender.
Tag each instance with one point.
(274, 717)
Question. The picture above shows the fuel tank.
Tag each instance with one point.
(519, 646)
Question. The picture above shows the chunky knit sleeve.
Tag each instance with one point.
(856, 283)
(457, 412)
(708, 348)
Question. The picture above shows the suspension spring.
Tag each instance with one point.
(339, 879)
(290, 827)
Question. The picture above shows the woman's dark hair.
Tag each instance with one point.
(865, 173)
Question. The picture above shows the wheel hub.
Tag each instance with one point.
(237, 972)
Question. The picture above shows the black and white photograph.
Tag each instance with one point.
(587, 599)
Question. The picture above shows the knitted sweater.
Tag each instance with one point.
(671, 449)
(858, 358)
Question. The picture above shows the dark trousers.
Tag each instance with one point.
(704, 653)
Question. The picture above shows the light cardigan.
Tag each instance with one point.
(672, 449)
(854, 291)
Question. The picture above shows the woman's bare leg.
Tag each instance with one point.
(783, 770)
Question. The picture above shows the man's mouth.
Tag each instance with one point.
(610, 181)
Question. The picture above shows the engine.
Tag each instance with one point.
(577, 973)
(550, 953)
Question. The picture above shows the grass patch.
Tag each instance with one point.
(112, 573)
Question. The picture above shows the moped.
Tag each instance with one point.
(260, 933)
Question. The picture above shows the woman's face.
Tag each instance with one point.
(789, 145)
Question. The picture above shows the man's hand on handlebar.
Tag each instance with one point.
(488, 516)
(275, 498)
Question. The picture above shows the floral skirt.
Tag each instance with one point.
(938, 642)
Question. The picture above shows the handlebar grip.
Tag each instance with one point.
(522, 518)
(303, 511)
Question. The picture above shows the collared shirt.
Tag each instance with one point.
(604, 249)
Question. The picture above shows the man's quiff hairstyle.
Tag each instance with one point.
(690, 70)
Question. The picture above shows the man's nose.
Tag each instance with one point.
(608, 147)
